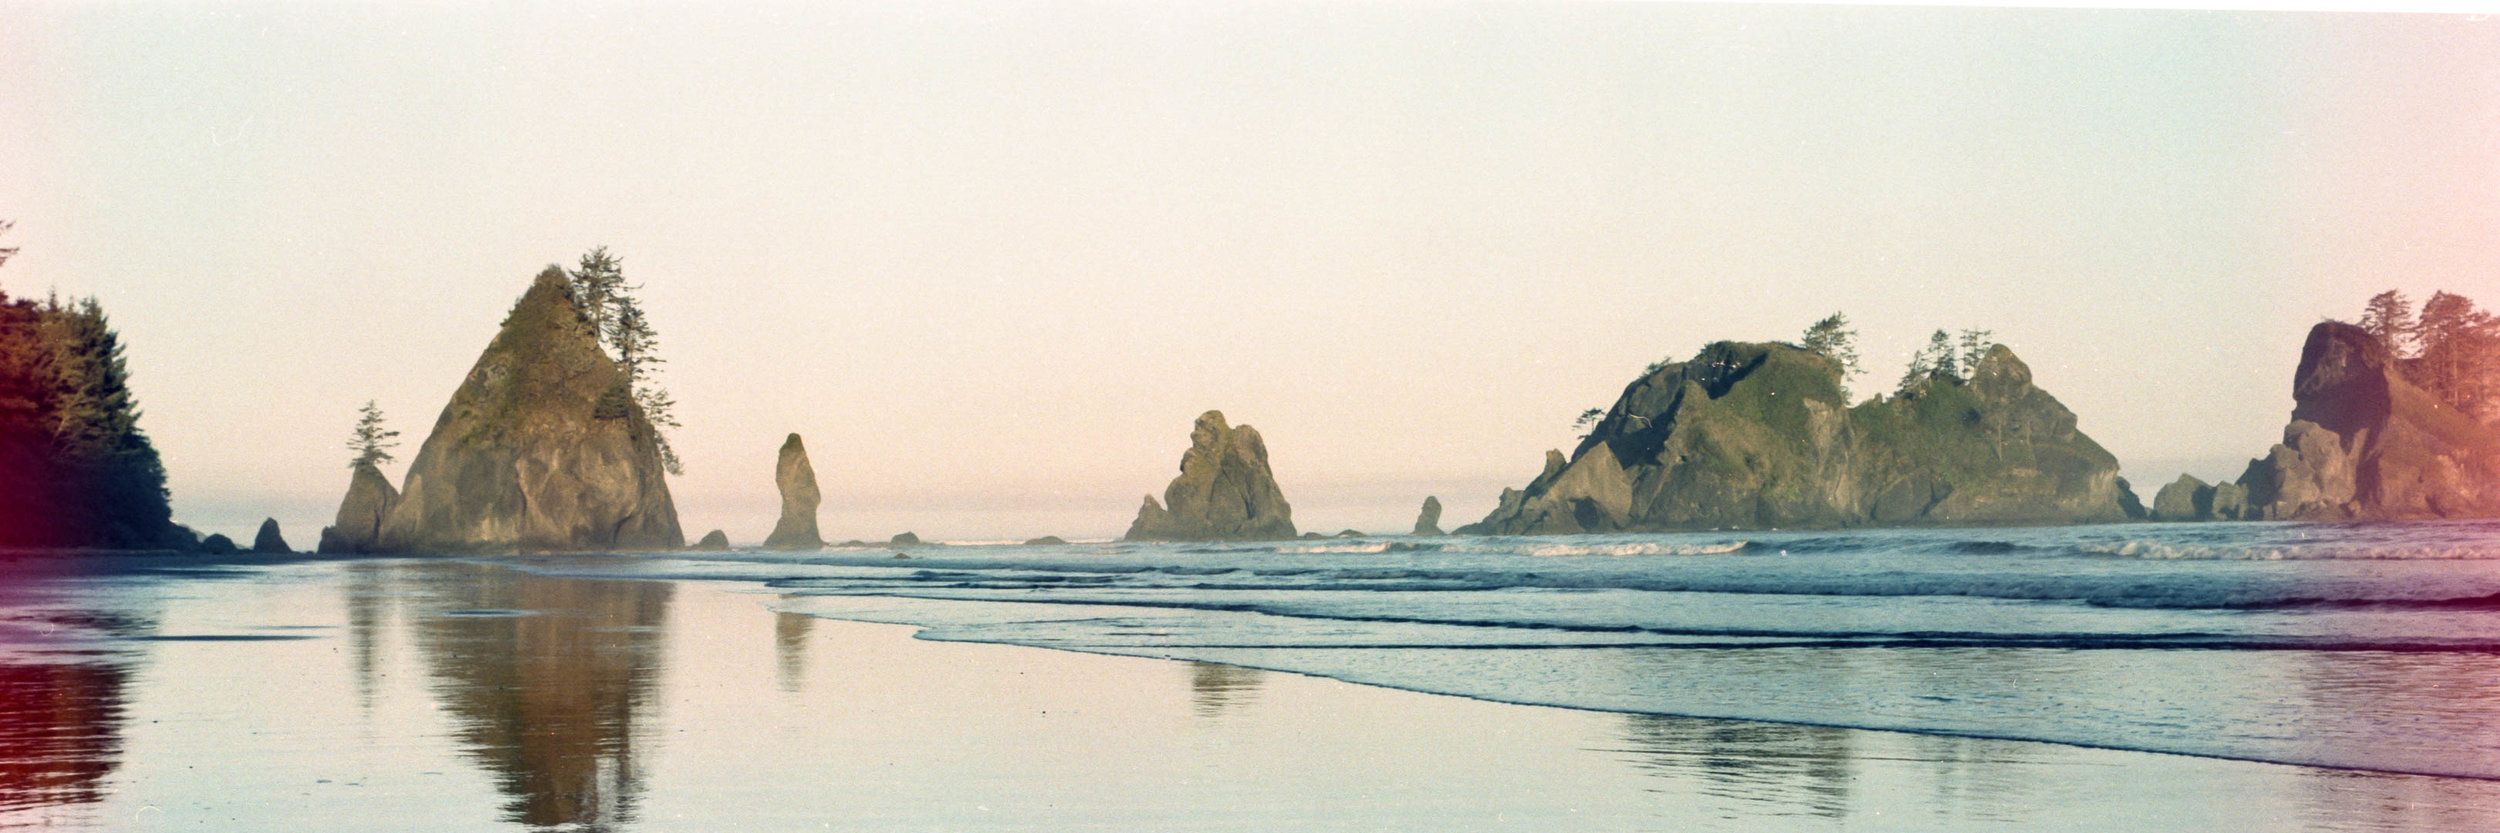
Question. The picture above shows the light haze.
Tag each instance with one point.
(992, 258)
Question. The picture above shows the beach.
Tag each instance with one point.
(425, 694)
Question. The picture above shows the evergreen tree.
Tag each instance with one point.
(636, 343)
(7, 252)
(1832, 337)
(75, 470)
(1975, 345)
(597, 282)
(1934, 361)
(1588, 418)
(371, 441)
(2389, 318)
(2458, 347)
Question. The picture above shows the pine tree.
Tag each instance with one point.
(371, 441)
(1934, 361)
(1975, 345)
(637, 344)
(2389, 318)
(2458, 347)
(7, 252)
(597, 282)
(1833, 338)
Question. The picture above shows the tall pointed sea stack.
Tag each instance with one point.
(1754, 436)
(797, 528)
(359, 524)
(1224, 493)
(541, 450)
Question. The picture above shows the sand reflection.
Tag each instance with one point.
(1215, 688)
(548, 680)
(1779, 769)
(60, 731)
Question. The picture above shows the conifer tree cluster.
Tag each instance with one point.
(2450, 349)
(75, 470)
(1947, 357)
(600, 289)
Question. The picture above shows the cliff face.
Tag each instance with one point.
(542, 449)
(1752, 436)
(359, 524)
(1224, 492)
(799, 498)
(2365, 444)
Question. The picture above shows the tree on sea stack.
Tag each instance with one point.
(1832, 337)
(371, 442)
(2389, 318)
(600, 289)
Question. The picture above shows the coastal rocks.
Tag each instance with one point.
(1754, 436)
(2128, 503)
(797, 480)
(1428, 521)
(358, 526)
(268, 541)
(218, 544)
(713, 541)
(2365, 443)
(2185, 499)
(1046, 541)
(542, 449)
(1224, 492)
(904, 539)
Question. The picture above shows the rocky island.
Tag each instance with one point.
(796, 479)
(1759, 435)
(1224, 492)
(2367, 443)
(542, 449)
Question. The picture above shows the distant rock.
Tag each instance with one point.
(855, 544)
(1045, 541)
(2229, 502)
(797, 480)
(1349, 533)
(218, 544)
(2130, 504)
(1224, 492)
(2365, 443)
(1313, 536)
(713, 541)
(269, 542)
(904, 540)
(1756, 436)
(358, 527)
(542, 449)
(1428, 521)
(2185, 499)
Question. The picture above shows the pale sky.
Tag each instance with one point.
(992, 258)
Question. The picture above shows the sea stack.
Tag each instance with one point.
(2365, 443)
(359, 524)
(1224, 492)
(1758, 436)
(1428, 521)
(542, 449)
(797, 480)
(713, 541)
(269, 542)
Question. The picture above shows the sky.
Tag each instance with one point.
(992, 258)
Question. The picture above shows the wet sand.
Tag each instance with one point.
(417, 695)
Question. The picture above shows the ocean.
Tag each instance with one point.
(2370, 647)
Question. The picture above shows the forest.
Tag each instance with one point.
(75, 469)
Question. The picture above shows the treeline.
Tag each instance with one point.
(75, 470)
(2450, 348)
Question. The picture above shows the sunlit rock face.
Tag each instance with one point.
(796, 479)
(542, 449)
(1224, 492)
(1756, 436)
(2366, 444)
(358, 526)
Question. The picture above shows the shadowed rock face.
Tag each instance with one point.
(713, 541)
(2365, 444)
(1428, 521)
(542, 449)
(1753, 436)
(1224, 492)
(797, 528)
(268, 541)
(359, 523)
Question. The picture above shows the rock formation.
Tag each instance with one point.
(2128, 503)
(1045, 541)
(542, 449)
(2366, 444)
(359, 524)
(2185, 499)
(269, 542)
(1428, 521)
(1754, 436)
(1224, 492)
(713, 541)
(218, 544)
(797, 480)
(903, 539)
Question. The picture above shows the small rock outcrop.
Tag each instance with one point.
(218, 544)
(358, 527)
(1045, 541)
(542, 449)
(797, 480)
(1428, 521)
(2365, 443)
(713, 541)
(1224, 492)
(2185, 499)
(268, 541)
(1756, 436)
(2128, 503)
(904, 539)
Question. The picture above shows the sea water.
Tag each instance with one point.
(2359, 646)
